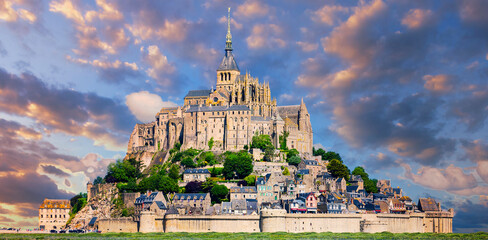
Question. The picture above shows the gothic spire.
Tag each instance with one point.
(228, 37)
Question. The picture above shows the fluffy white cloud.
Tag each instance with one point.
(145, 105)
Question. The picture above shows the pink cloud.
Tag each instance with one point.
(417, 18)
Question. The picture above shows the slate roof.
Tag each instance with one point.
(243, 189)
(195, 108)
(257, 118)
(161, 205)
(252, 205)
(427, 204)
(92, 221)
(197, 170)
(310, 162)
(339, 179)
(239, 204)
(303, 171)
(198, 93)
(352, 188)
(397, 190)
(140, 199)
(190, 196)
(228, 62)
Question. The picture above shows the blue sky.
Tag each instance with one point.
(398, 87)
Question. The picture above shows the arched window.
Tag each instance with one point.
(221, 76)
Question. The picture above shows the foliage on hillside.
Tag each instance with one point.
(237, 165)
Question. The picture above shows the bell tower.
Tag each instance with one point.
(228, 69)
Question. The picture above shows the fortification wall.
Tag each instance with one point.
(176, 223)
(277, 220)
(117, 225)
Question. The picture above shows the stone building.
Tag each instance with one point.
(196, 174)
(231, 114)
(54, 213)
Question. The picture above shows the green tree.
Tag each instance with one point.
(208, 185)
(216, 171)
(319, 152)
(360, 171)
(237, 165)
(369, 184)
(262, 142)
(131, 186)
(123, 171)
(338, 169)
(210, 143)
(219, 193)
(269, 154)
(295, 160)
(98, 180)
(78, 202)
(250, 180)
(174, 172)
(286, 172)
(328, 156)
(283, 138)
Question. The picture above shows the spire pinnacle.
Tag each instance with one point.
(228, 37)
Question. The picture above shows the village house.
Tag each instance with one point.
(341, 185)
(310, 201)
(396, 206)
(152, 201)
(312, 165)
(201, 200)
(243, 193)
(195, 174)
(428, 205)
(356, 180)
(54, 213)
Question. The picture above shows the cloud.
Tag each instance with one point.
(472, 110)
(328, 14)
(88, 37)
(161, 70)
(10, 14)
(265, 35)
(351, 40)
(417, 18)
(108, 11)
(172, 31)
(145, 105)
(101, 119)
(110, 71)
(477, 152)
(438, 83)
(308, 47)
(51, 169)
(252, 9)
(470, 217)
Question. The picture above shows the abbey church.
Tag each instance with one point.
(231, 114)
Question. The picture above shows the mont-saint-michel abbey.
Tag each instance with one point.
(239, 107)
(230, 156)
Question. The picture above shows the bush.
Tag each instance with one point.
(262, 142)
(174, 172)
(216, 171)
(188, 162)
(251, 180)
(295, 160)
(194, 187)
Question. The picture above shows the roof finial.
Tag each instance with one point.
(228, 37)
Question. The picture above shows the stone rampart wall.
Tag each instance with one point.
(117, 225)
(280, 221)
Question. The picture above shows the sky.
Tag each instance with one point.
(398, 87)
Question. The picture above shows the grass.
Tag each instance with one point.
(237, 236)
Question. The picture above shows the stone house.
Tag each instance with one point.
(201, 200)
(196, 174)
(314, 166)
(153, 201)
(341, 185)
(54, 213)
(243, 193)
(356, 180)
(397, 192)
(239, 206)
(336, 208)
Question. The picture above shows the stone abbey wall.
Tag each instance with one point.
(277, 220)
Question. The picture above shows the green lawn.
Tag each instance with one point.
(235, 236)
